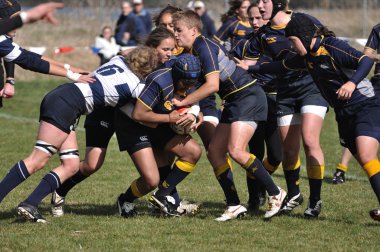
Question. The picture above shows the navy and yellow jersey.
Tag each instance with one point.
(11, 52)
(373, 43)
(158, 91)
(271, 41)
(215, 59)
(233, 30)
(115, 85)
(267, 81)
(331, 63)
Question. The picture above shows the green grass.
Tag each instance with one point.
(91, 222)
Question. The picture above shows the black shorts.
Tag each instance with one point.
(208, 106)
(248, 104)
(133, 136)
(292, 97)
(63, 106)
(99, 127)
(272, 108)
(362, 119)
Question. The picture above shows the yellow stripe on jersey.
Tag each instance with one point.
(372, 167)
(315, 171)
(236, 90)
(184, 166)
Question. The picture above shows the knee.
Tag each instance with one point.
(151, 182)
(234, 153)
(88, 168)
(193, 154)
(71, 166)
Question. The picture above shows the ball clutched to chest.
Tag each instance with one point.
(179, 129)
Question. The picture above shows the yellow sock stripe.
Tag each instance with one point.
(250, 175)
(249, 162)
(342, 167)
(372, 167)
(135, 189)
(229, 161)
(221, 169)
(315, 171)
(184, 166)
(268, 166)
(292, 167)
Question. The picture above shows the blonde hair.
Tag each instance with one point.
(142, 60)
(190, 18)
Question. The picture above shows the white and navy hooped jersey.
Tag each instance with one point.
(11, 52)
(115, 86)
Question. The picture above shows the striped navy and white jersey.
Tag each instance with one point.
(115, 86)
(11, 52)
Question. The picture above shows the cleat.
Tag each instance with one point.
(166, 204)
(339, 177)
(274, 204)
(187, 208)
(313, 212)
(375, 214)
(232, 212)
(30, 212)
(126, 209)
(290, 204)
(253, 208)
(57, 203)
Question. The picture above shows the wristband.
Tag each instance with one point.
(194, 110)
(12, 82)
(24, 17)
(72, 76)
(66, 66)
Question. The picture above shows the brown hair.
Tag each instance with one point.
(234, 6)
(167, 10)
(157, 35)
(324, 31)
(142, 60)
(190, 18)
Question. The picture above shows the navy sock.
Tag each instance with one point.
(375, 183)
(315, 191)
(128, 196)
(254, 189)
(257, 169)
(48, 184)
(226, 181)
(16, 175)
(164, 172)
(172, 180)
(70, 183)
(292, 178)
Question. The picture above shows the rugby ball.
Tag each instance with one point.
(179, 129)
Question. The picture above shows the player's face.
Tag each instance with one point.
(242, 11)
(185, 37)
(266, 8)
(165, 49)
(297, 45)
(167, 22)
(255, 18)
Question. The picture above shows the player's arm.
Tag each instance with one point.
(372, 54)
(373, 43)
(143, 113)
(9, 89)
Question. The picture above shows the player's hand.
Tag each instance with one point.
(174, 116)
(199, 122)
(44, 11)
(187, 119)
(86, 78)
(178, 101)
(346, 90)
(241, 64)
(8, 91)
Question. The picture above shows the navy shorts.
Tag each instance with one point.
(293, 96)
(133, 136)
(208, 106)
(362, 119)
(63, 106)
(248, 104)
(99, 127)
(272, 108)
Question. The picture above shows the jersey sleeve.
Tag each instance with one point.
(252, 50)
(224, 32)
(373, 41)
(151, 94)
(208, 56)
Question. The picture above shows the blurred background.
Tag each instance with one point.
(81, 21)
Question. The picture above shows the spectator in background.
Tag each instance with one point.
(143, 14)
(130, 30)
(208, 29)
(106, 44)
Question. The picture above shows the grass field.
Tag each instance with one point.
(92, 223)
